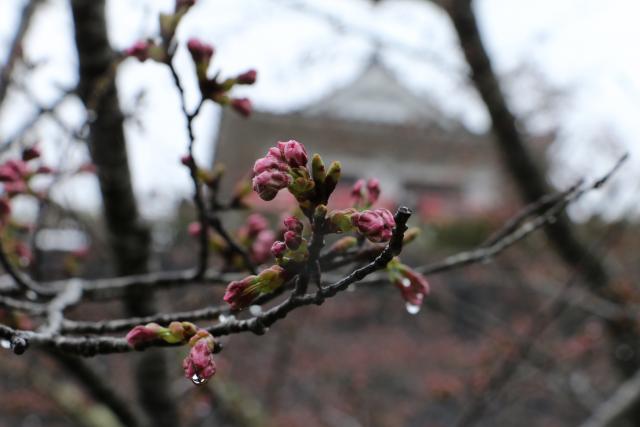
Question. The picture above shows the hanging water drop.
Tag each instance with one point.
(31, 295)
(406, 282)
(198, 380)
(5, 344)
(255, 310)
(412, 308)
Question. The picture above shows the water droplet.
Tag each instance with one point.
(255, 310)
(31, 295)
(224, 318)
(5, 344)
(412, 308)
(351, 288)
(406, 282)
(198, 380)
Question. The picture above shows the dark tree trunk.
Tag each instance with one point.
(128, 235)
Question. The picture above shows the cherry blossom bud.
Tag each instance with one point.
(261, 247)
(247, 78)
(194, 229)
(412, 285)
(30, 153)
(267, 184)
(373, 189)
(139, 50)
(268, 163)
(357, 189)
(241, 293)
(201, 53)
(376, 225)
(199, 365)
(340, 221)
(292, 239)
(292, 223)
(143, 334)
(410, 235)
(278, 249)
(255, 224)
(294, 153)
(242, 106)
(88, 168)
(186, 160)
(178, 332)
(271, 278)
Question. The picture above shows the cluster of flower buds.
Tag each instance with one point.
(365, 193)
(285, 166)
(293, 247)
(257, 237)
(413, 286)
(199, 365)
(176, 332)
(162, 51)
(241, 293)
(376, 225)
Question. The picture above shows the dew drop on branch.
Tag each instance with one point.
(255, 310)
(5, 344)
(412, 308)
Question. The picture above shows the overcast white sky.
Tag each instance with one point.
(584, 51)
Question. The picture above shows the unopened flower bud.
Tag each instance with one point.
(412, 285)
(255, 224)
(241, 293)
(292, 223)
(376, 225)
(261, 247)
(143, 334)
(247, 78)
(199, 365)
(271, 278)
(410, 235)
(292, 239)
(278, 249)
(194, 229)
(268, 183)
(201, 53)
(242, 106)
(373, 189)
(340, 221)
(294, 153)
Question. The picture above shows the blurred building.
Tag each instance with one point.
(378, 128)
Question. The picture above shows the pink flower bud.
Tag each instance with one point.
(278, 249)
(8, 174)
(255, 224)
(200, 52)
(292, 239)
(268, 163)
(88, 168)
(30, 153)
(199, 365)
(240, 293)
(143, 334)
(376, 225)
(412, 285)
(373, 188)
(247, 78)
(292, 223)
(294, 153)
(242, 106)
(186, 160)
(261, 247)
(267, 184)
(356, 190)
(194, 229)
(139, 50)
(15, 187)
